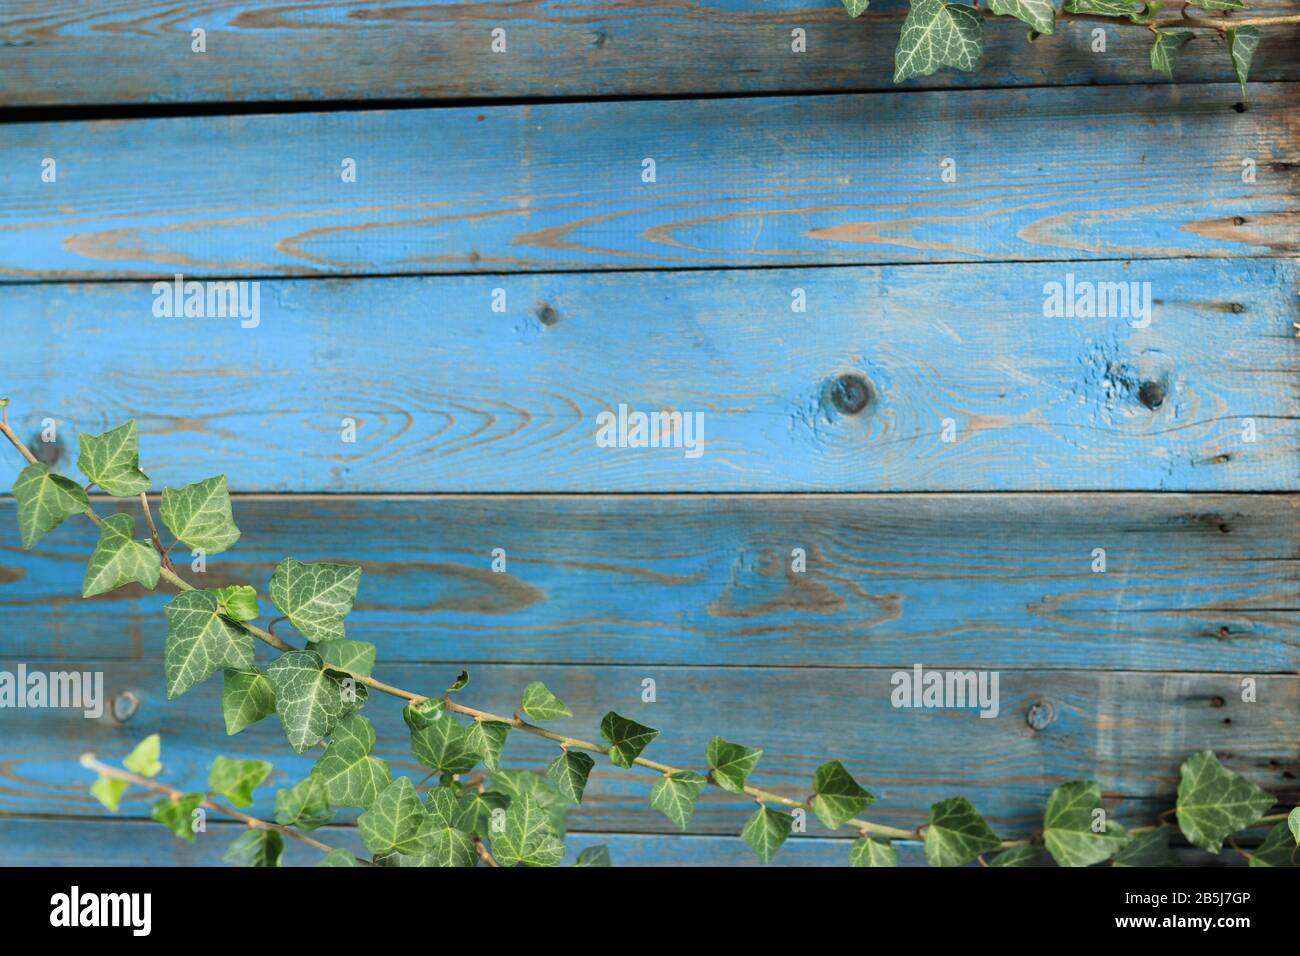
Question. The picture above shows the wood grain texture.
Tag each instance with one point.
(773, 181)
(448, 396)
(1129, 731)
(61, 52)
(1193, 582)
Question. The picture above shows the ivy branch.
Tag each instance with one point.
(316, 691)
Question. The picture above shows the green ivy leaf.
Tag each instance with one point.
(475, 811)
(246, 698)
(422, 714)
(487, 738)
(338, 858)
(1217, 4)
(570, 771)
(256, 848)
(1278, 849)
(1018, 856)
(1293, 821)
(837, 796)
(239, 602)
(44, 501)
(518, 783)
(108, 791)
(1213, 802)
(351, 777)
(540, 704)
(593, 856)
(178, 815)
(118, 560)
(528, 838)
(1149, 848)
(395, 821)
(444, 746)
(1132, 9)
(112, 461)
(766, 830)
(308, 698)
(674, 795)
(199, 515)
(856, 7)
(867, 851)
(444, 847)
(144, 758)
(355, 657)
(315, 597)
(935, 35)
(461, 681)
(626, 738)
(957, 833)
(731, 763)
(1068, 826)
(1039, 14)
(305, 805)
(237, 779)
(201, 641)
(1242, 42)
(1164, 52)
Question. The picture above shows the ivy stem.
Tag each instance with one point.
(1222, 26)
(153, 533)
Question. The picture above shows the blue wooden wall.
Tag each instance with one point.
(483, 175)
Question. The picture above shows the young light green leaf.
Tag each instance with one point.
(540, 704)
(935, 35)
(856, 7)
(394, 822)
(144, 758)
(837, 796)
(422, 714)
(957, 833)
(1071, 822)
(1278, 849)
(44, 501)
(112, 461)
(475, 811)
(1105, 8)
(593, 856)
(867, 851)
(201, 641)
(570, 771)
(674, 795)
(1242, 42)
(1039, 14)
(1164, 52)
(355, 657)
(338, 858)
(1213, 802)
(308, 698)
(444, 746)
(256, 848)
(239, 602)
(315, 597)
(246, 698)
(305, 805)
(1150, 848)
(626, 738)
(731, 763)
(108, 791)
(487, 738)
(199, 515)
(178, 815)
(351, 777)
(1018, 856)
(766, 830)
(237, 779)
(528, 837)
(118, 560)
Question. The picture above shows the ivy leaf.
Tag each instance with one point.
(475, 811)
(237, 779)
(1150, 848)
(1293, 821)
(1039, 14)
(938, 34)
(442, 805)
(1068, 826)
(731, 763)
(459, 683)
(315, 597)
(108, 791)
(528, 837)
(1164, 52)
(256, 848)
(112, 461)
(144, 758)
(118, 560)
(178, 815)
(239, 602)
(570, 771)
(540, 704)
(201, 641)
(44, 501)
(246, 698)
(444, 746)
(355, 657)
(856, 7)
(487, 738)
(308, 698)
(305, 805)
(867, 851)
(338, 858)
(1242, 43)
(1106, 8)
(626, 738)
(1018, 856)
(1278, 848)
(837, 796)
(422, 714)
(518, 783)
(394, 821)
(593, 856)
(766, 830)
(446, 843)
(1217, 4)
(1213, 802)
(199, 515)
(351, 777)
(674, 795)
(957, 833)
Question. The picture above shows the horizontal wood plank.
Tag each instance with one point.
(773, 181)
(1129, 731)
(60, 52)
(1192, 582)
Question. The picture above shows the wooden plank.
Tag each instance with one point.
(60, 52)
(783, 180)
(1193, 582)
(1130, 731)
(852, 395)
